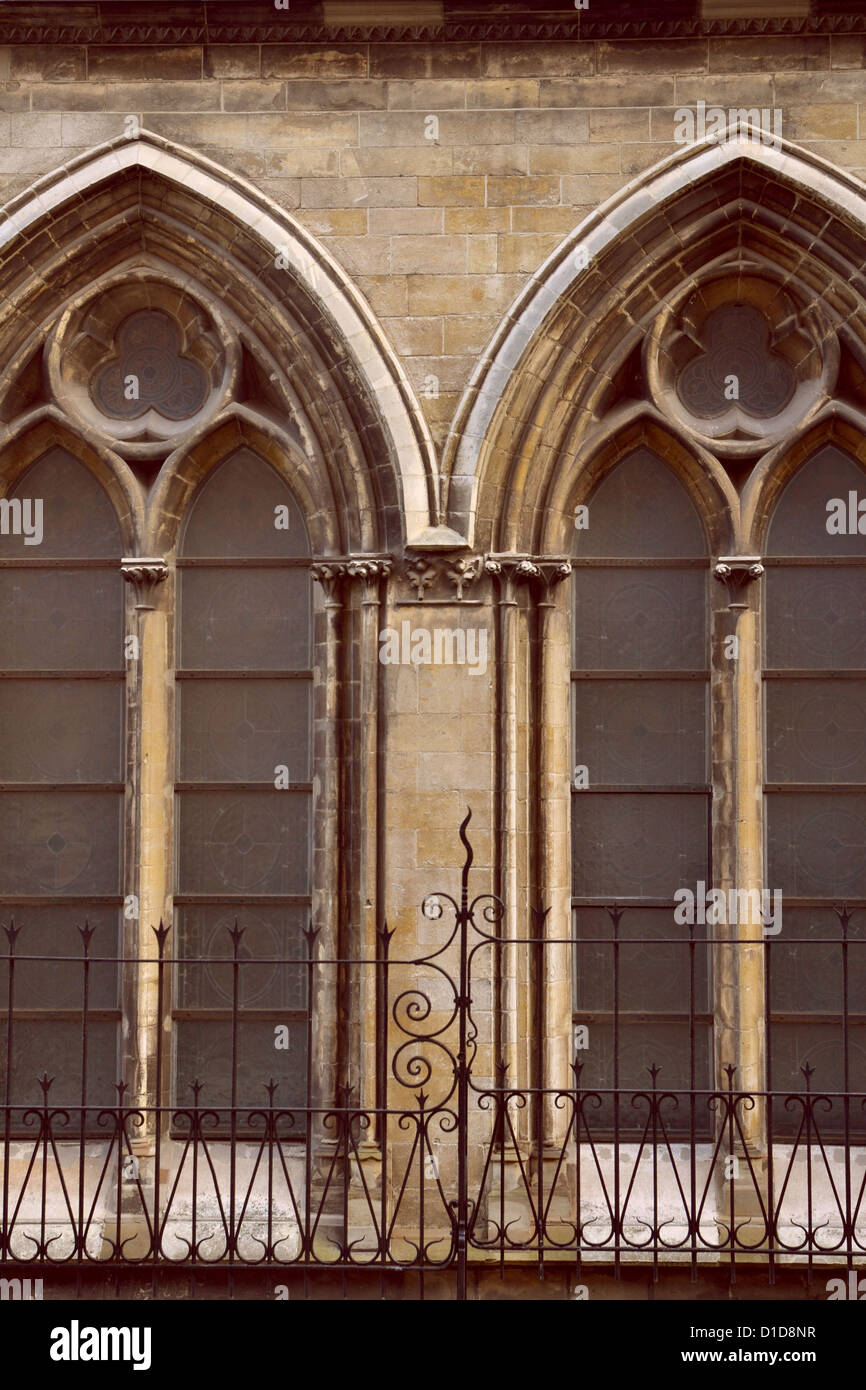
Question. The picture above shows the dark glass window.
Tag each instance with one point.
(243, 831)
(640, 799)
(815, 788)
(61, 783)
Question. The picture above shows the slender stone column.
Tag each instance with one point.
(740, 988)
(148, 576)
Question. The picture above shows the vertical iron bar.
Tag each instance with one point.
(463, 1072)
(615, 916)
(161, 934)
(86, 934)
(11, 934)
(844, 919)
(768, 1066)
(310, 937)
(233, 1123)
(539, 917)
(693, 1210)
(382, 1097)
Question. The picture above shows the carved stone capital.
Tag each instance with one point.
(542, 574)
(737, 572)
(145, 573)
(331, 574)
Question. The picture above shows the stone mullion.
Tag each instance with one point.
(739, 969)
(554, 860)
(155, 817)
(326, 845)
(512, 1009)
(545, 1055)
(364, 815)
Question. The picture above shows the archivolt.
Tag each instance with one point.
(538, 403)
(137, 203)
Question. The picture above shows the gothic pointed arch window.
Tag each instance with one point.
(243, 785)
(815, 785)
(641, 793)
(62, 781)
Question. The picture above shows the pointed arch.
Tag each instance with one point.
(839, 424)
(184, 471)
(33, 434)
(144, 202)
(706, 482)
(541, 388)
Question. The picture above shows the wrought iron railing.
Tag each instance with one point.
(436, 1153)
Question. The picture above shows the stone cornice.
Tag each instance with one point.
(216, 22)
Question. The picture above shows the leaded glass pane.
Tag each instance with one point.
(634, 846)
(77, 517)
(653, 957)
(800, 521)
(641, 509)
(639, 619)
(61, 620)
(806, 960)
(817, 1045)
(236, 514)
(816, 845)
(271, 934)
(816, 731)
(204, 1053)
(47, 731)
(641, 1046)
(60, 843)
(243, 730)
(650, 732)
(54, 1048)
(52, 932)
(245, 619)
(244, 843)
(814, 618)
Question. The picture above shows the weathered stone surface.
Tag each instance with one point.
(477, 219)
(255, 96)
(49, 63)
(584, 159)
(313, 60)
(413, 254)
(567, 58)
(419, 60)
(788, 52)
(407, 221)
(349, 192)
(451, 192)
(109, 62)
(232, 60)
(425, 94)
(540, 191)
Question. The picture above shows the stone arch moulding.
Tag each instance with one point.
(155, 204)
(542, 389)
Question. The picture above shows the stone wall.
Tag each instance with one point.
(439, 224)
